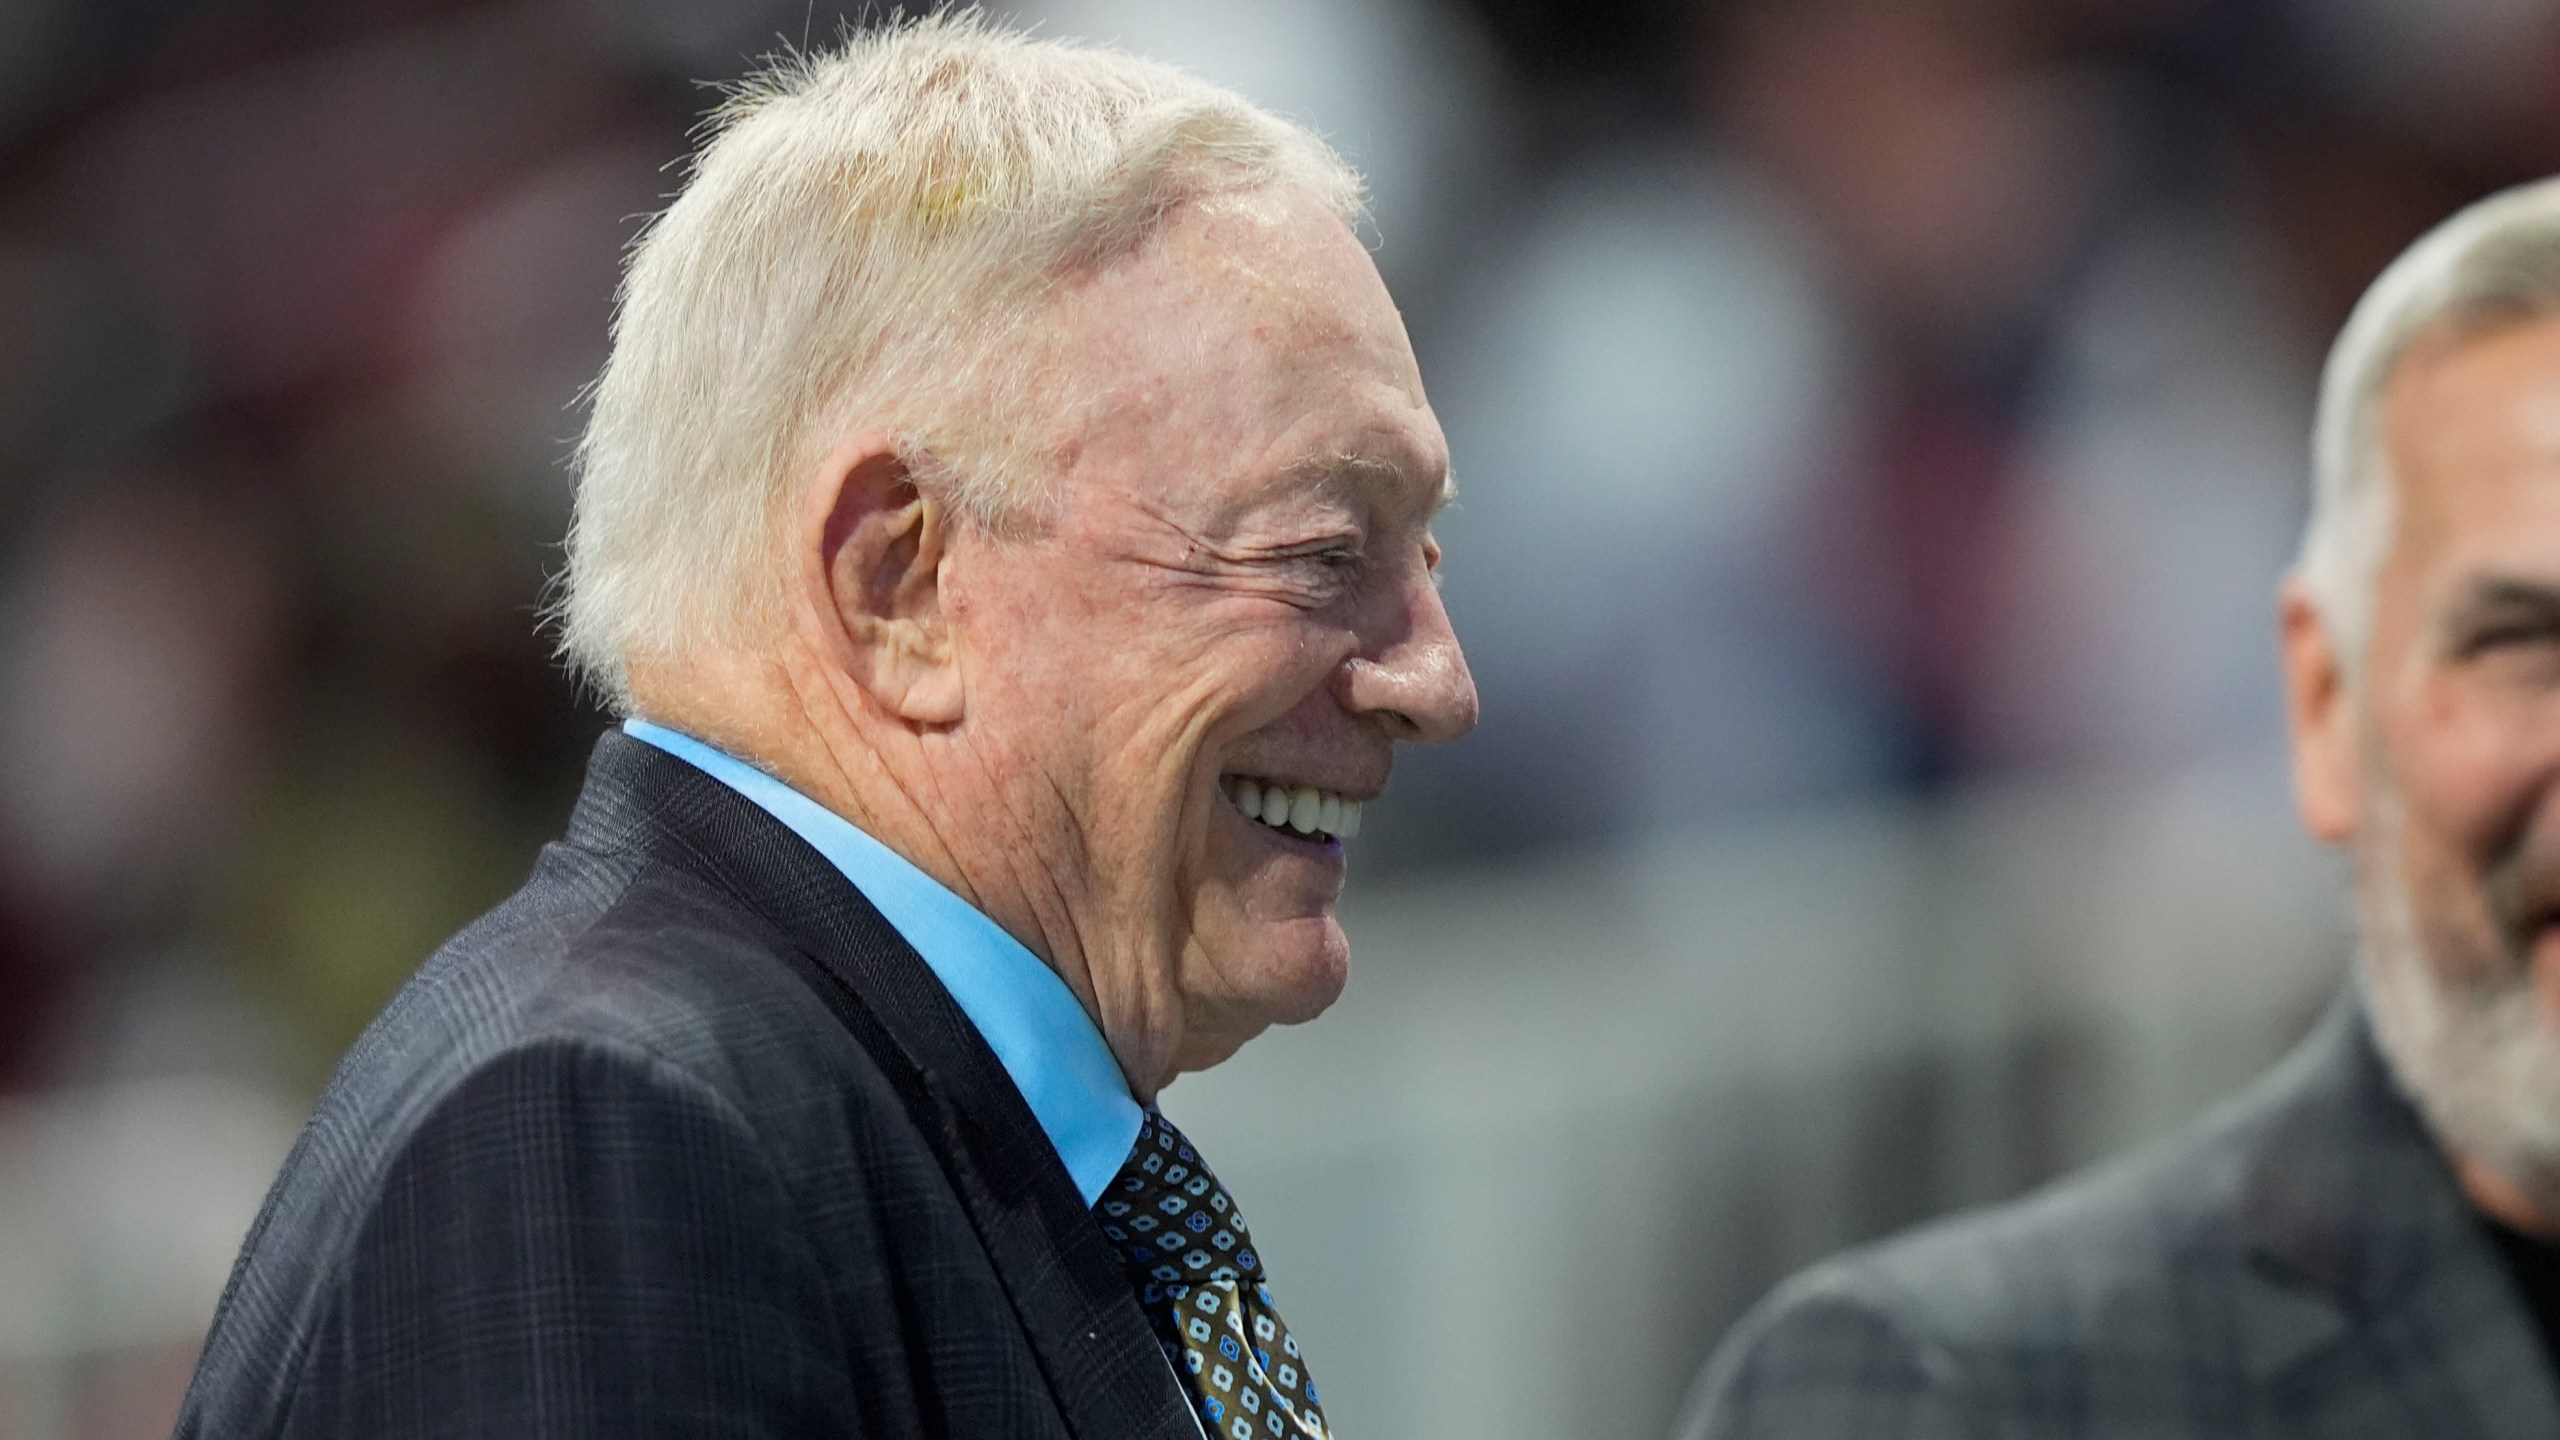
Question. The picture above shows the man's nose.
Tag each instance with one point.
(1418, 680)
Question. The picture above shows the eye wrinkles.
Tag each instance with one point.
(1315, 574)
(1321, 531)
(1338, 572)
(1308, 573)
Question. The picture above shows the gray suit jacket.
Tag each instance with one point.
(682, 1140)
(2300, 1264)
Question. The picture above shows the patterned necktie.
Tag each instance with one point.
(1187, 1252)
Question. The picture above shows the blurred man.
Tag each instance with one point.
(2365, 1244)
(1006, 519)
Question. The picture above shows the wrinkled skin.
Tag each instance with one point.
(2437, 764)
(1219, 594)
(1234, 575)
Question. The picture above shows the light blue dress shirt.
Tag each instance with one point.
(1041, 1033)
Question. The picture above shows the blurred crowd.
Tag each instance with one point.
(1850, 399)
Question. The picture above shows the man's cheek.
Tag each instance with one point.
(2448, 894)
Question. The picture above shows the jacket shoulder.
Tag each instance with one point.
(597, 950)
(606, 994)
(2107, 1293)
(2093, 1259)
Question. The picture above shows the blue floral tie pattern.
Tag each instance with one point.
(1202, 1285)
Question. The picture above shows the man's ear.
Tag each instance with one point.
(2328, 769)
(869, 599)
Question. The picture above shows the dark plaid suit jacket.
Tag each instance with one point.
(2299, 1265)
(681, 1140)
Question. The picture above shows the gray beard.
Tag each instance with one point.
(2472, 1055)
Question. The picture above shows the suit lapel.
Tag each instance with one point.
(1094, 1345)
(2373, 1260)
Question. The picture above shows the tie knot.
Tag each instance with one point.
(1172, 1221)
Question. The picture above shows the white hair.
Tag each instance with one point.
(2494, 263)
(866, 241)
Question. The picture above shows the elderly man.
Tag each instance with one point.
(1006, 518)
(2364, 1245)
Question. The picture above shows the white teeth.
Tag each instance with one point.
(1302, 808)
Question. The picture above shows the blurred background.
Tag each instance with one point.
(1881, 426)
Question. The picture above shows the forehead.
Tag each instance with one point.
(2472, 428)
(1250, 346)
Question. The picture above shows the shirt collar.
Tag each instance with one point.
(1028, 1016)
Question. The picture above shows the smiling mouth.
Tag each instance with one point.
(1295, 810)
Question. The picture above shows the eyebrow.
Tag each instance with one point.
(1356, 468)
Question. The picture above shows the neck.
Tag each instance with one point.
(914, 791)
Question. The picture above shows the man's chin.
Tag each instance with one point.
(1312, 982)
(2480, 1060)
(1281, 972)
(1289, 978)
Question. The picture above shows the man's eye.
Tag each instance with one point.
(2514, 636)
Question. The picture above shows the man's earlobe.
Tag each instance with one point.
(2328, 773)
(871, 544)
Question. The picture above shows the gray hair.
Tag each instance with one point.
(2493, 264)
(866, 241)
